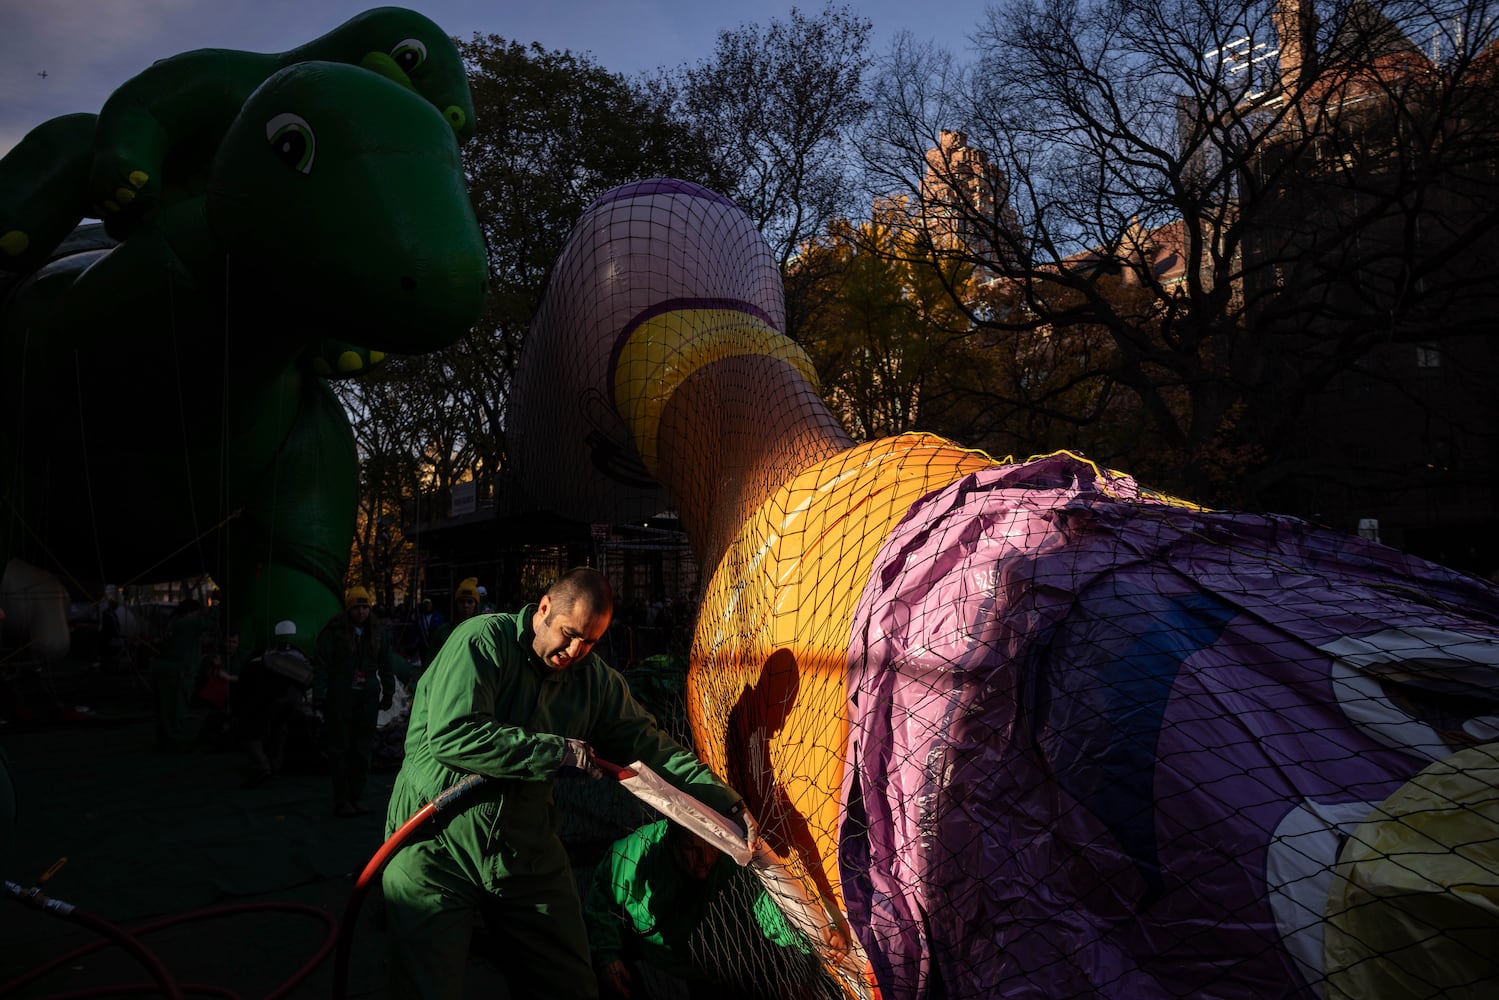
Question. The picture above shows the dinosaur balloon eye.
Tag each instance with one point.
(409, 54)
(292, 141)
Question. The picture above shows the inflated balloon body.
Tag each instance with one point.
(1020, 728)
(163, 402)
(156, 136)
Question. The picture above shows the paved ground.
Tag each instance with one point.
(258, 878)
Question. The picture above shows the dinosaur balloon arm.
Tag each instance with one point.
(175, 111)
(42, 190)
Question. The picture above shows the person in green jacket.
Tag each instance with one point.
(660, 888)
(519, 698)
(354, 678)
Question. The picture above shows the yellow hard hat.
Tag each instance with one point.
(357, 597)
(469, 589)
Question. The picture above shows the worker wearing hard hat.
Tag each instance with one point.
(465, 606)
(355, 679)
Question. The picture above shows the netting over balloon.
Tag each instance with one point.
(1020, 728)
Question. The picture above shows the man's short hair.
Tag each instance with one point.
(582, 583)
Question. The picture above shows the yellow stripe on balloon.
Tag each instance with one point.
(664, 350)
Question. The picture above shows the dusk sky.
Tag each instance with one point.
(86, 48)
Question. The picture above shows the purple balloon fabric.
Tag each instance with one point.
(1105, 745)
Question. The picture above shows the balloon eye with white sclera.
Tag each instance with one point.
(292, 141)
(409, 54)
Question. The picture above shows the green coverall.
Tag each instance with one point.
(489, 705)
(642, 905)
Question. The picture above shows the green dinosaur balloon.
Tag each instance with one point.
(156, 135)
(162, 409)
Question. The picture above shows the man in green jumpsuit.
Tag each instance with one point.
(658, 888)
(518, 697)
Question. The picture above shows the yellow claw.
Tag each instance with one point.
(124, 195)
(139, 178)
(110, 206)
(15, 242)
(320, 366)
(376, 357)
(350, 361)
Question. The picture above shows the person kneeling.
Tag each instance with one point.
(664, 897)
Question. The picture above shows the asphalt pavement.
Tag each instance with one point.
(251, 883)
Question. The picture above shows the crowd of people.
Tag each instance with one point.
(323, 684)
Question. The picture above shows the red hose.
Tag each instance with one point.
(164, 983)
(112, 934)
(339, 939)
(361, 885)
